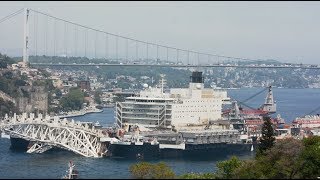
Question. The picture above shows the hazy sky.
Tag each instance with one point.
(286, 31)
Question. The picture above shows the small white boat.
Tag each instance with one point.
(72, 173)
(4, 135)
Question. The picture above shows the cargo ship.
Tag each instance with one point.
(181, 122)
(176, 122)
(185, 144)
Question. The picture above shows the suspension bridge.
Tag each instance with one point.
(61, 40)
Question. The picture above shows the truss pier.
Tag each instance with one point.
(46, 132)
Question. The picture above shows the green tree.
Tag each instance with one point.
(246, 171)
(57, 92)
(267, 139)
(3, 64)
(19, 82)
(198, 176)
(226, 168)
(310, 157)
(73, 100)
(97, 95)
(145, 170)
(282, 161)
(7, 107)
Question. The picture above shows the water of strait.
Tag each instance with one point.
(290, 104)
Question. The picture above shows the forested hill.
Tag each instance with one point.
(222, 77)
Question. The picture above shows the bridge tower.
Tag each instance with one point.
(26, 37)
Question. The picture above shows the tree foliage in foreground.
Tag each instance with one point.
(145, 170)
(226, 168)
(198, 176)
(287, 159)
(267, 139)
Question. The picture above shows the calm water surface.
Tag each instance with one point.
(290, 103)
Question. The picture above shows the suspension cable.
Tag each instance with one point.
(11, 15)
(136, 40)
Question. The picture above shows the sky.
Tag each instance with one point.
(285, 31)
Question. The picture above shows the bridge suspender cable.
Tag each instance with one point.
(65, 39)
(137, 51)
(106, 47)
(147, 51)
(54, 37)
(117, 56)
(85, 42)
(144, 42)
(75, 40)
(157, 52)
(46, 36)
(127, 49)
(95, 45)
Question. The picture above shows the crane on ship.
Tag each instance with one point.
(269, 107)
(249, 120)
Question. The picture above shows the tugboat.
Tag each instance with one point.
(72, 173)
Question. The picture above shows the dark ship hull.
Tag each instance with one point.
(145, 151)
(148, 151)
(19, 144)
(210, 151)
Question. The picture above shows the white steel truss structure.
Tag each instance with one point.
(51, 132)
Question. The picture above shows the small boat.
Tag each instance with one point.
(4, 135)
(72, 173)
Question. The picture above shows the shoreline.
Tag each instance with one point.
(80, 113)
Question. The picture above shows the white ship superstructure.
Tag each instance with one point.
(181, 108)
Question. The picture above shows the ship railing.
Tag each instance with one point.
(148, 109)
(135, 112)
(140, 117)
